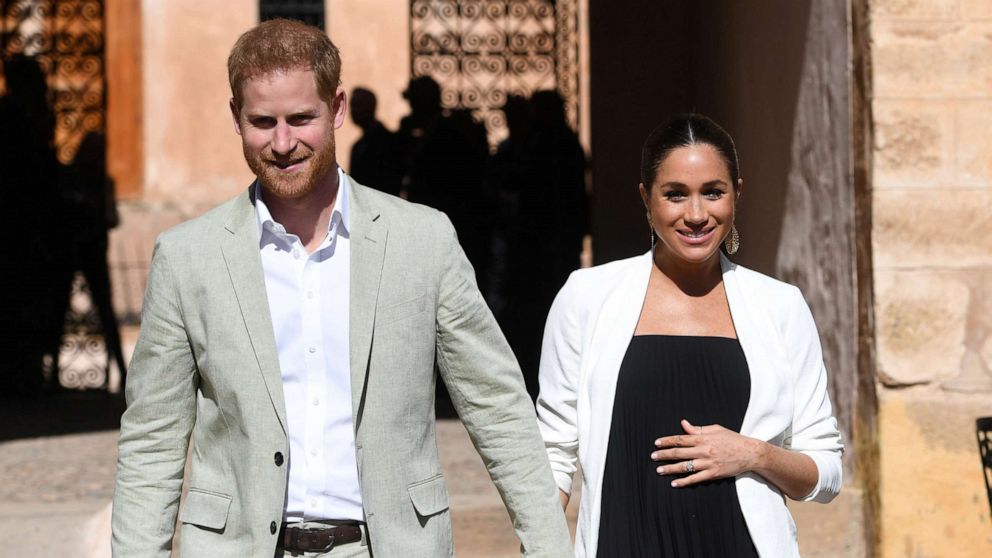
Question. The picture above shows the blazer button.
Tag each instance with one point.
(272, 527)
(278, 459)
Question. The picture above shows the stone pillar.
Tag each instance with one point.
(932, 249)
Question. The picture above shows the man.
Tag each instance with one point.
(376, 160)
(288, 345)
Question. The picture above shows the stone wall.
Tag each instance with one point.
(932, 249)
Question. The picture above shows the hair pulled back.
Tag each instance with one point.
(685, 130)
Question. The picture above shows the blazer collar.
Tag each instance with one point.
(239, 246)
(369, 231)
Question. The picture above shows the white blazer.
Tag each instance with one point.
(589, 327)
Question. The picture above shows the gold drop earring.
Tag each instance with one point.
(651, 229)
(733, 241)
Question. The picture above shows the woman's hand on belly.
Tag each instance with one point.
(714, 452)
(708, 453)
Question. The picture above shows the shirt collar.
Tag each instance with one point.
(338, 223)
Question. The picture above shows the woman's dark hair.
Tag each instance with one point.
(682, 131)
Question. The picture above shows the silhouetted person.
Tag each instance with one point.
(424, 96)
(447, 156)
(508, 173)
(561, 170)
(90, 212)
(375, 157)
(547, 239)
(31, 255)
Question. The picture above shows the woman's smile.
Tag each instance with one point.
(696, 236)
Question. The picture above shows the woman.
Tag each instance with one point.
(691, 390)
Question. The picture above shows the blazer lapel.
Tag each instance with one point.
(614, 327)
(756, 338)
(244, 265)
(368, 248)
(617, 320)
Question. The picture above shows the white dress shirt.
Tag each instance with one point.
(308, 300)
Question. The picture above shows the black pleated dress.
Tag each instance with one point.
(662, 380)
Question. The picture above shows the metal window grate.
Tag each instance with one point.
(983, 427)
(65, 38)
(310, 12)
(480, 51)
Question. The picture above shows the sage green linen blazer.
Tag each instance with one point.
(205, 387)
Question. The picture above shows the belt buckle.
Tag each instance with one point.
(311, 538)
(329, 545)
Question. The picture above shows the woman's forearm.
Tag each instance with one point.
(794, 473)
(564, 499)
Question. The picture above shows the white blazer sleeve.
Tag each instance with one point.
(814, 428)
(559, 382)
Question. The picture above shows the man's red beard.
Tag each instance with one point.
(293, 185)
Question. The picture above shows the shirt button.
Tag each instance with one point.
(310, 294)
(296, 254)
(272, 527)
(313, 503)
(316, 401)
(312, 349)
(313, 452)
(278, 459)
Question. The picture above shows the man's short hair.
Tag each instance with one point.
(280, 45)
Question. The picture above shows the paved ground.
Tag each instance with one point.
(55, 490)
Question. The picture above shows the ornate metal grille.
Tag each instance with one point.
(480, 51)
(308, 11)
(82, 354)
(66, 38)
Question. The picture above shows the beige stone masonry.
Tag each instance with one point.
(976, 9)
(933, 495)
(920, 327)
(914, 143)
(932, 228)
(932, 251)
(974, 141)
(914, 9)
(932, 58)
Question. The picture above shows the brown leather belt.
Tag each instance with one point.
(318, 540)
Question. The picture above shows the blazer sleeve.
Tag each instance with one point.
(557, 404)
(155, 428)
(814, 429)
(487, 390)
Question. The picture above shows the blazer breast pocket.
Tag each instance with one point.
(206, 509)
(401, 311)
